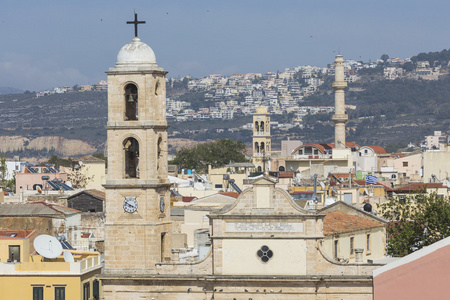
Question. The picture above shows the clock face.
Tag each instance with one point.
(161, 204)
(130, 204)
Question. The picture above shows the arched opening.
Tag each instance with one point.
(159, 153)
(256, 126)
(131, 102)
(256, 147)
(131, 149)
(281, 169)
(262, 127)
(259, 169)
(262, 147)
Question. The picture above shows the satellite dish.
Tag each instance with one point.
(322, 184)
(68, 257)
(47, 246)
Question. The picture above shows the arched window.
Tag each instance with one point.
(256, 147)
(131, 102)
(262, 127)
(256, 126)
(262, 147)
(281, 169)
(259, 169)
(131, 149)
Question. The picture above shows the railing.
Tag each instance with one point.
(315, 156)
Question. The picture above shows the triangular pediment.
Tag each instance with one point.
(265, 180)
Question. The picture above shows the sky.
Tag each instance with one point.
(55, 43)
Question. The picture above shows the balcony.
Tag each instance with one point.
(312, 156)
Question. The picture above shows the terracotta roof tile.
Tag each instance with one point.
(188, 199)
(377, 149)
(96, 193)
(286, 175)
(230, 194)
(339, 222)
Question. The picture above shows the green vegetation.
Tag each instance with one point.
(5, 183)
(58, 161)
(416, 221)
(442, 57)
(215, 153)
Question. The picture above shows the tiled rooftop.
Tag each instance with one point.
(339, 222)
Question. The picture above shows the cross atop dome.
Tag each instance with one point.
(135, 22)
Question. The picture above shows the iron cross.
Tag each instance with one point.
(135, 22)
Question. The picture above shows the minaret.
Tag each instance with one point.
(340, 117)
(261, 139)
(138, 228)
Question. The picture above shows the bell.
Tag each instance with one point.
(130, 99)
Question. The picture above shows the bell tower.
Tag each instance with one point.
(138, 228)
(261, 139)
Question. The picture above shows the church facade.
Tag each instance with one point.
(262, 247)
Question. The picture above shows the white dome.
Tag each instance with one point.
(136, 53)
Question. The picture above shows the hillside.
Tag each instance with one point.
(388, 113)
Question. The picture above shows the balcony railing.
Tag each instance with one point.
(313, 156)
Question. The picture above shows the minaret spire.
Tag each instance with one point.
(340, 117)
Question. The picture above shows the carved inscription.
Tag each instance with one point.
(264, 226)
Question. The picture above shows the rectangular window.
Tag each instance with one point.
(368, 243)
(60, 293)
(86, 291)
(352, 249)
(405, 163)
(14, 253)
(96, 290)
(38, 293)
(336, 248)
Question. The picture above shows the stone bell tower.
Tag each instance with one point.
(261, 139)
(138, 230)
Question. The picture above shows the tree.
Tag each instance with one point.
(384, 57)
(416, 221)
(79, 178)
(3, 171)
(215, 153)
(58, 161)
(4, 182)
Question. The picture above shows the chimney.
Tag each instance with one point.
(359, 255)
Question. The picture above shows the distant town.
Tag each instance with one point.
(281, 92)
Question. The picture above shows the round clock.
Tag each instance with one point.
(161, 204)
(130, 204)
